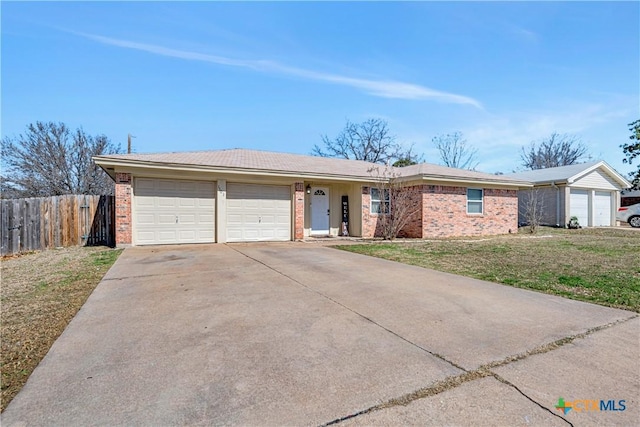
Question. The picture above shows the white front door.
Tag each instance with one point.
(319, 210)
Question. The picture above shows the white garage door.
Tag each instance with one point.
(602, 208)
(173, 211)
(579, 206)
(258, 212)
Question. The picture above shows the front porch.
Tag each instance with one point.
(332, 209)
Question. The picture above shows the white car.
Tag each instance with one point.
(630, 214)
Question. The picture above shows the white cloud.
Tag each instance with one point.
(379, 88)
(523, 33)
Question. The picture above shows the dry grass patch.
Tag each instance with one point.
(595, 265)
(40, 294)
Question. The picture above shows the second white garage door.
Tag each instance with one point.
(258, 212)
(602, 208)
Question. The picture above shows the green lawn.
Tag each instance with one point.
(596, 265)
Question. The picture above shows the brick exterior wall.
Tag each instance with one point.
(298, 198)
(413, 228)
(369, 220)
(442, 212)
(123, 208)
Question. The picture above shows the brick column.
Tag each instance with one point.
(368, 222)
(123, 208)
(298, 200)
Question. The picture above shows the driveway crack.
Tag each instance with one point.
(530, 399)
(454, 381)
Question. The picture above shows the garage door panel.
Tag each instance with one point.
(145, 202)
(167, 185)
(258, 212)
(187, 235)
(187, 186)
(234, 235)
(146, 236)
(268, 204)
(143, 186)
(145, 219)
(268, 219)
(602, 208)
(283, 235)
(189, 219)
(205, 234)
(579, 206)
(187, 203)
(166, 219)
(167, 235)
(234, 219)
(157, 204)
(206, 219)
(250, 234)
(206, 203)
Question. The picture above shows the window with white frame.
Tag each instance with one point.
(379, 201)
(475, 200)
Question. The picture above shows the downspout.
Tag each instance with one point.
(553, 184)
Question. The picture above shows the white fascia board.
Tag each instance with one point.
(121, 165)
(476, 182)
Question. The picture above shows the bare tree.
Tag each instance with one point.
(532, 209)
(370, 141)
(455, 151)
(50, 160)
(553, 151)
(397, 202)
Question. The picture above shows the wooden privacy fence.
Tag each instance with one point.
(51, 222)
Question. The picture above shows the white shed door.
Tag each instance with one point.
(258, 212)
(602, 208)
(579, 206)
(173, 211)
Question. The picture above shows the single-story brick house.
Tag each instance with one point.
(242, 195)
(588, 191)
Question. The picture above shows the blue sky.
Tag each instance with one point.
(277, 76)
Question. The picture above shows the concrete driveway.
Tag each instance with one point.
(300, 334)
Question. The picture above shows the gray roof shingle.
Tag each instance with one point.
(563, 174)
(297, 164)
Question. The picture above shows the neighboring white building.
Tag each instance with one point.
(588, 191)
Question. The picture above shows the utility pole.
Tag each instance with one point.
(129, 136)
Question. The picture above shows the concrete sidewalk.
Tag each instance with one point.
(295, 334)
